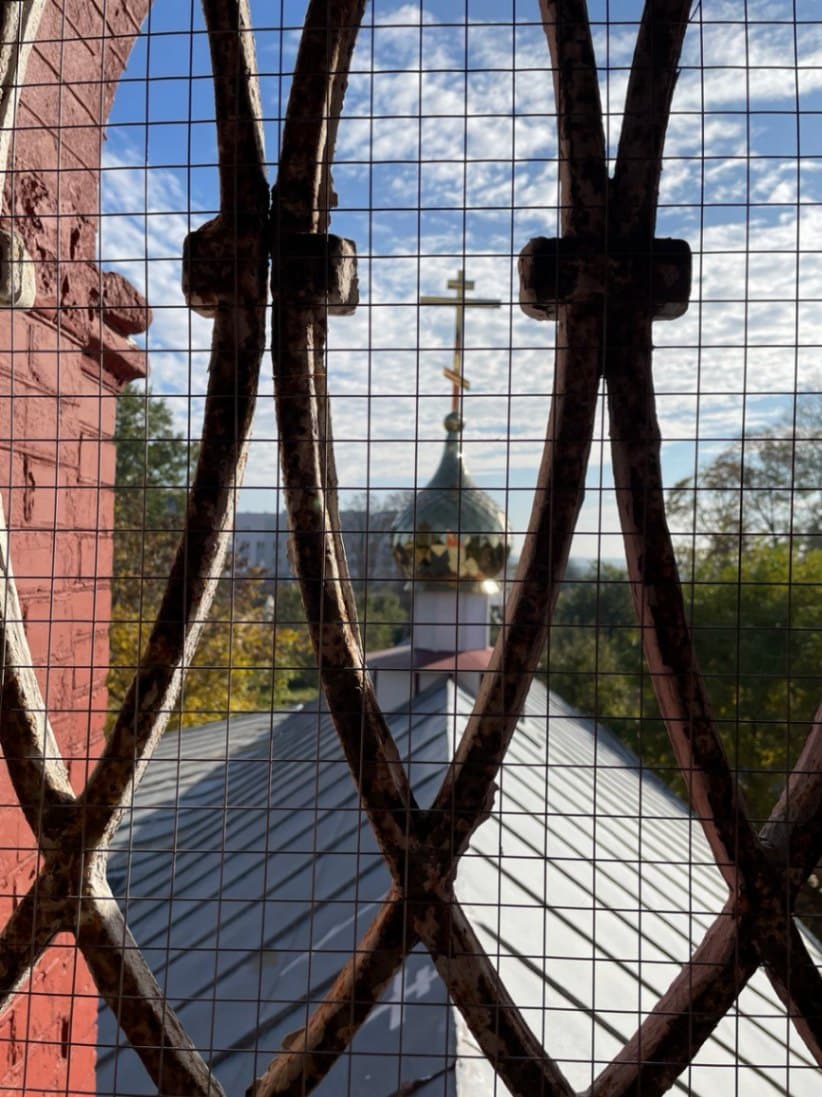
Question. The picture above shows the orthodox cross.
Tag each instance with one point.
(460, 302)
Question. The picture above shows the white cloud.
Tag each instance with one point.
(145, 221)
(439, 170)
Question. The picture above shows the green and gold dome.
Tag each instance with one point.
(452, 531)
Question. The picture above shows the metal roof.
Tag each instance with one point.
(248, 871)
(406, 657)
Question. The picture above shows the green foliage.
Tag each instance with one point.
(594, 661)
(383, 618)
(594, 644)
(154, 463)
(298, 659)
(756, 632)
(759, 646)
(762, 487)
(752, 582)
(245, 660)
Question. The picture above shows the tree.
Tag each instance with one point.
(759, 648)
(366, 523)
(753, 587)
(754, 583)
(593, 659)
(383, 617)
(766, 486)
(756, 632)
(153, 463)
(245, 661)
(379, 588)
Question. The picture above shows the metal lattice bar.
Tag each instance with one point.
(70, 874)
(630, 203)
(603, 331)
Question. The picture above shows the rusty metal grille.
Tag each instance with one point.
(227, 225)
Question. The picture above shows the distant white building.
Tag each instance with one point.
(261, 541)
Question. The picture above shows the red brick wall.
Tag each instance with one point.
(60, 367)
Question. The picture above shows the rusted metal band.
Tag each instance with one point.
(354, 993)
(685, 1016)
(726, 958)
(70, 892)
(477, 990)
(30, 749)
(303, 284)
(33, 925)
(305, 190)
(792, 837)
(137, 1001)
(315, 270)
(238, 342)
(758, 888)
(569, 269)
(583, 173)
(300, 208)
(466, 794)
(651, 84)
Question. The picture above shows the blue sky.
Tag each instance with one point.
(439, 168)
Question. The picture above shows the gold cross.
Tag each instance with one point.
(460, 302)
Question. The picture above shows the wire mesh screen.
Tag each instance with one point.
(411, 564)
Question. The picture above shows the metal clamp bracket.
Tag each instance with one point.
(554, 272)
(317, 269)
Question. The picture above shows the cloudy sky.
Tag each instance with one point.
(446, 161)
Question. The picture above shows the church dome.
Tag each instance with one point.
(452, 531)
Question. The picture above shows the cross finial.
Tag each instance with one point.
(460, 284)
(459, 302)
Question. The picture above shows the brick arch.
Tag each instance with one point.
(62, 362)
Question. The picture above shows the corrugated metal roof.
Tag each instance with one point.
(248, 871)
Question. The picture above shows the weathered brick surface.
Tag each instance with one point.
(60, 368)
